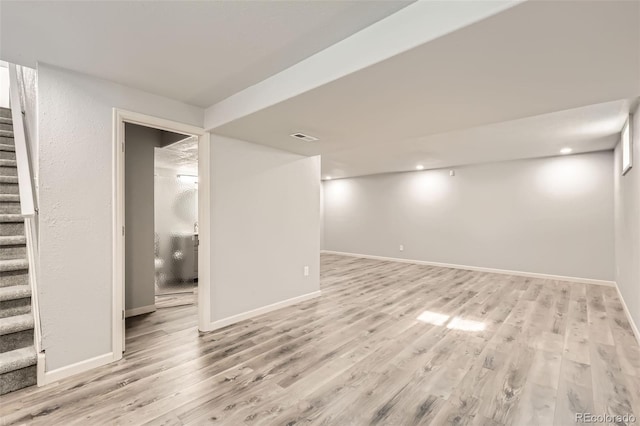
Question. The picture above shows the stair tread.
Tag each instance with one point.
(11, 218)
(14, 292)
(6, 133)
(8, 179)
(16, 324)
(13, 265)
(17, 359)
(13, 240)
(6, 147)
(9, 198)
(8, 163)
(6, 120)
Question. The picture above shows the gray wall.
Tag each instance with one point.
(265, 226)
(627, 228)
(140, 143)
(75, 125)
(550, 215)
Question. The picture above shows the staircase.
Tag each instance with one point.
(17, 351)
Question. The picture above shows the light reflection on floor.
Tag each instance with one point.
(457, 323)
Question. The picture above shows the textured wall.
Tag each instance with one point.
(549, 215)
(627, 213)
(75, 114)
(265, 226)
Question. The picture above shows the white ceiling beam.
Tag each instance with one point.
(410, 27)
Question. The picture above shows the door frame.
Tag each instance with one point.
(120, 117)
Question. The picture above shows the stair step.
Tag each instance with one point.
(6, 126)
(15, 324)
(9, 207)
(9, 265)
(9, 179)
(6, 120)
(10, 308)
(5, 112)
(8, 163)
(6, 133)
(14, 292)
(8, 148)
(11, 218)
(9, 198)
(18, 369)
(13, 240)
(17, 359)
(13, 252)
(14, 278)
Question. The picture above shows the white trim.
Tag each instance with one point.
(204, 216)
(139, 311)
(478, 268)
(77, 368)
(40, 369)
(25, 188)
(204, 229)
(263, 310)
(634, 327)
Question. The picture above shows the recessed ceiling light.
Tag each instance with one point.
(566, 151)
(327, 178)
(419, 167)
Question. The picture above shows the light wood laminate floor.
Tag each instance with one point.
(386, 343)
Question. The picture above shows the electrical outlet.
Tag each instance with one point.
(306, 271)
(401, 247)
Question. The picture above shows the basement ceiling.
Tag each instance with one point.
(197, 52)
(520, 84)
(181, 156)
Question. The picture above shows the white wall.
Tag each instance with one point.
(76, 183)
(551, 215)
(627, 225)
(265, 226)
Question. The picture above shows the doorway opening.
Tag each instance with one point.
(161, 211)
(176, 223)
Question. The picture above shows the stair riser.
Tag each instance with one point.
(8, 171)
(21, 339)
(6, 140)
(13, 208)
(5, 126)
(5, 112)
(10, 308)
(11, 228)
(18, 379)
(13, 252)
(7, 155)
(9, 188)
(14, 278)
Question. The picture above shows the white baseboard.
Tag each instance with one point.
(139, 311)
(634, 327)
(263, 310)
(478, 268)
(77, 368)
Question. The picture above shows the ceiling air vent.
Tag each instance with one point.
(304, 137)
